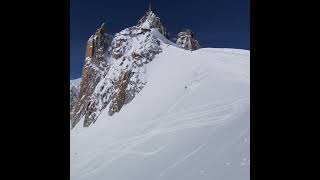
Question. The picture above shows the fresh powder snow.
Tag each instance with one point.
(190, 121)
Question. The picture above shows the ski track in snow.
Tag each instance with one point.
(198, 116)
(181, 160)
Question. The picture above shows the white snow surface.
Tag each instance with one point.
(190, 121)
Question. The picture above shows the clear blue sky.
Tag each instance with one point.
(217, 23)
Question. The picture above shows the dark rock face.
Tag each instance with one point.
(186, 40)
(95, 64)
(114, 68)
(120, 96)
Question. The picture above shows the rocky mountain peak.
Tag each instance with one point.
(150, 20)
(96, 63)
(114, 68)
(186, 40)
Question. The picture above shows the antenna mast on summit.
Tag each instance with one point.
(149, 10)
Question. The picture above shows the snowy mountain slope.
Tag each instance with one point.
(190, 121)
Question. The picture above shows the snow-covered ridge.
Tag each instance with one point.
(162, 38)
(226, 50)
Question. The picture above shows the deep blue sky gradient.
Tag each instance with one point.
(217, 23)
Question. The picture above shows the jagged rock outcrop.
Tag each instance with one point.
(94, 66)
(186, 40)
(150, 20)
(114, 68)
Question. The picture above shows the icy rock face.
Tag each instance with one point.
(96, 62)
(114, 70)
(74, 92)
(186, 40)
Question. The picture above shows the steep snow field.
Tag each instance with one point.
(190, 122)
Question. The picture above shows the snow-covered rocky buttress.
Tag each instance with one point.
(115, 66)
(186, 40)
